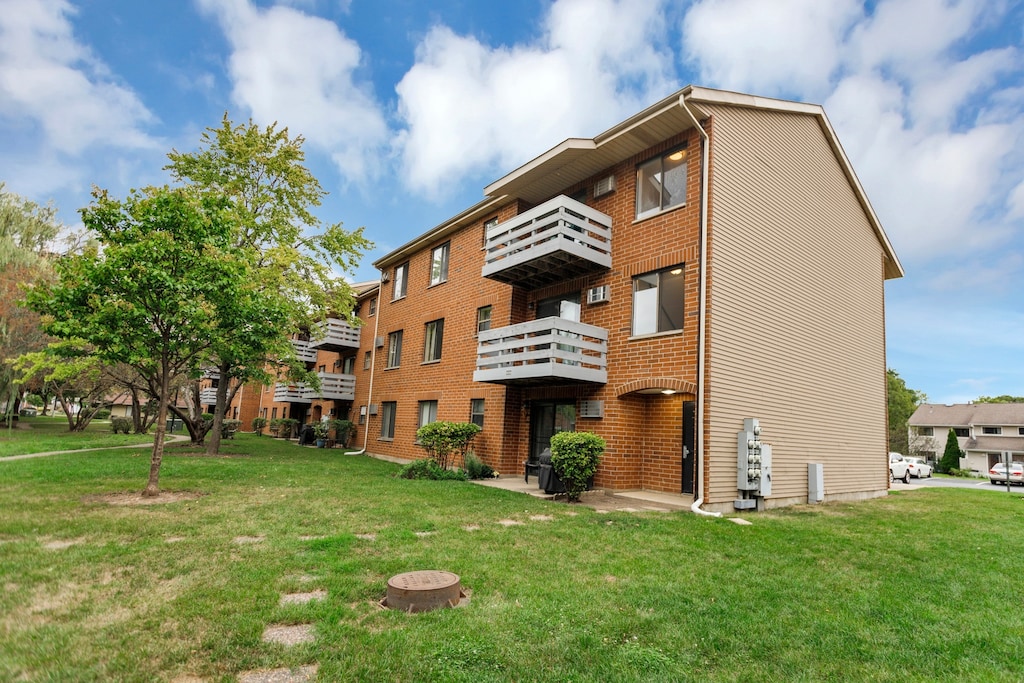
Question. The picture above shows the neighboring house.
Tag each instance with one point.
(984, 431)
(710, 260)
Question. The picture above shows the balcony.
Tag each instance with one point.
(303, 351)
(546, 351)
(333, 386)
(208, 396)
(334, 334)
(556, 241)
(290, 393)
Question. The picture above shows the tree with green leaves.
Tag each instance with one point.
(271, 196)
(76, 377)
(1005, 398)
(151, 296)
(951, 456)
(902, 403)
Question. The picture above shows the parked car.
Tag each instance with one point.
(997, 473)
(918, 467)
(899, 468)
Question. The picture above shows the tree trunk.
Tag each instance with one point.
(213, 448)
(152, 489)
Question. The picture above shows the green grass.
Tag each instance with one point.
(919, 586)
(44, 434)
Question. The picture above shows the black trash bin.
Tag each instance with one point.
(546, 477)
(307, 436)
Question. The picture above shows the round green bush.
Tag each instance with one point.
(575, 457)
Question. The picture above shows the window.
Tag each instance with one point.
(394, 349)
(348, 365)
(362, 415)
(661, 183)
(439, 264)
(401, 277)
(428, 412)
(273, 414)
(476, 411)
(483, 319)
(322, 368)
(658, 301)
(366, 360)
(1020, 430)
(387, 419)
(959, 431)
(373, 306)
(992, 430)
(925, 431)
(432, 340)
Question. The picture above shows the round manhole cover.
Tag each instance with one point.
(422, 591)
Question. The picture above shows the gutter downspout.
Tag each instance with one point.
(698, 469)
(373, 365)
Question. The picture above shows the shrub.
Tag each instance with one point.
(258, 423)
(342, 431)
(288, 426)
(321, 429)
(574, 457)
(228, 428)
(477, 468)
(428, 469)
(120, 425)
(101, 414)
(440, 439)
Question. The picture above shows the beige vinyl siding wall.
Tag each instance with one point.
(797, 333)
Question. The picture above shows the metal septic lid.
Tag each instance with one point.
(424, 590)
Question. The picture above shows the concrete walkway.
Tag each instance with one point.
(171, 438)
(599, 499)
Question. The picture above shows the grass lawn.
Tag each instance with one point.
(919, 586)
(44, 434)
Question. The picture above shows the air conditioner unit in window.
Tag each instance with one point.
(385, 277)
(597, 295)
(592, 409)
(604, 186)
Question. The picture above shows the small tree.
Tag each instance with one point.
(258, 424)
(951, 456)
(441, 439)
(574, 457)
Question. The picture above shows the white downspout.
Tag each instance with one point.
(373, 363)
(701, 334)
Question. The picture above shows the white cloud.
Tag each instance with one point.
(299, 70)
(52, 82)
(470, 107)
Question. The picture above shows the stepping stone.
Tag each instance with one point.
(541, 518)
(289, 635)
(311, 538)
(424, 534)
(302, 598)
(471, 527)
(245, 540)
(300, 675)
(741, 522)
(509, 522)
(61, 545)
(174, 539)
(367, 537)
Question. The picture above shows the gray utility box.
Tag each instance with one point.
(815, 482)
(753, 460)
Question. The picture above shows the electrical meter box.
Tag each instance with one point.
(753, 460)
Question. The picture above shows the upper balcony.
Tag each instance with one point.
(545, 351)
(303, 351)
(208, 396)
(556, 241)
(333, 386)
(334, 334)
(290, 393)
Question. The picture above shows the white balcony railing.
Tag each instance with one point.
(303, 351)
(334, 334)
(211, 373)
(558, 240)
(333, 386)
(208, 396)
(290, 393)
(545, 351)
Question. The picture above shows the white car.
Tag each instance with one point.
(899, 468)
(997, 475)
(918, 467)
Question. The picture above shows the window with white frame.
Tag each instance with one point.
(476, 411)
(991, 430)
(658, 301)
(433, 338)
(394, 349)
(373, 307)
(401, 281)
(661, 183)
(483, 319)
(388, 409)
(428, 412)
(439, 264)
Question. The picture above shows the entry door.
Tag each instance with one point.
(567, 307)
(548, 418)
(689, 442)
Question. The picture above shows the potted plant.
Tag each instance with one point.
(320, 430)
(342, 431)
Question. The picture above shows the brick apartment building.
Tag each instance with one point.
(710, 260)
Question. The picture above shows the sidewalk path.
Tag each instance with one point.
(171, 438)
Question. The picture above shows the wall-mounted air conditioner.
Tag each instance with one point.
(604, 186)
(373, 409)
(597, 295)
(378, 342)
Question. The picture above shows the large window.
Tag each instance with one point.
(964, 432)
(661, 183)
(401, 281)
(428, 412)
(433, 338)
(387, 419)
(991, 430)
(476, 411)
(658, 301)
(394, 349)
(483, 319)
(439, 264)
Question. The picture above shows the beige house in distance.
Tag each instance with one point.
(984, 431)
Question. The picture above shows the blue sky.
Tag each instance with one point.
(410, 108)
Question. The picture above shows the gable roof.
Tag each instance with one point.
(967, 414)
